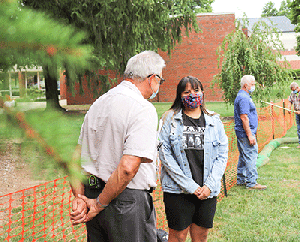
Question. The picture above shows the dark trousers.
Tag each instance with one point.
(130, 217)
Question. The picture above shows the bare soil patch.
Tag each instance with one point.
(15, 174)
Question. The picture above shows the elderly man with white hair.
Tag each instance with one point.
(246, 123)
(294, 99)
(118, 146)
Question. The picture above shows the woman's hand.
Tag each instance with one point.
(202, 192)
(198, 191)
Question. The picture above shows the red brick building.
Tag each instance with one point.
(195, 56)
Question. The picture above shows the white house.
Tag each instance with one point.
(288, 37)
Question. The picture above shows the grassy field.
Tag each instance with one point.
(270, 215)
(225, 110)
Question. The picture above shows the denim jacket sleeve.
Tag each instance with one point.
(178, 174)
(217, 161)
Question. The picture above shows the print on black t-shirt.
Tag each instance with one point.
(193, 144)
(193, 137)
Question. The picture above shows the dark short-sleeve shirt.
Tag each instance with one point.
(193, 142)
(243, 104)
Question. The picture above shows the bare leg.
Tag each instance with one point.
(198, 234)
(178, 236)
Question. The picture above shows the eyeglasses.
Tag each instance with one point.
(161, 79)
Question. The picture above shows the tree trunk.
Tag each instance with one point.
(50, 73)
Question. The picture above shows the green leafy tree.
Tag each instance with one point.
(119, 29)
(257, 54)
(295, 19)
(269, 10)
(284, 9)
(29, 37)
(197, 6)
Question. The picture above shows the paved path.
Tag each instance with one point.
(25, 106)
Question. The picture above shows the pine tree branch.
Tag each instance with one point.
(50, 49)
(71, 168)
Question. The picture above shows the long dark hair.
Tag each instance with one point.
(196, 84)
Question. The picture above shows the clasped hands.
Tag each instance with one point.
(80, 206)
(202, 192)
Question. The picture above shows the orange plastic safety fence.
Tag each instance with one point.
(41, 213)
(273, 122)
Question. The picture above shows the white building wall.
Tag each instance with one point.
(289, 40)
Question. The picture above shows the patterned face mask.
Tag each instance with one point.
(192, 100)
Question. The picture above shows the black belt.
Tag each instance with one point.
(150, 190)
(97, 183)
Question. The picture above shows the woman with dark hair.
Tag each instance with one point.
(193, 153)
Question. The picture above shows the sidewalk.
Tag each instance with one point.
(25, 106)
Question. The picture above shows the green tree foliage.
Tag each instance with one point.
(28, 37)
(295, 19)
(269, 10)
(197, 6)
(119, 29)
(284, 9)
(257, 54)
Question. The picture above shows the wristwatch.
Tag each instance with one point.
(101, 205)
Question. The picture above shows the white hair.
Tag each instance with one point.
(144, 64)
(246, 79)
(294, 85)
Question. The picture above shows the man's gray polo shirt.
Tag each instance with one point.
(120, 122)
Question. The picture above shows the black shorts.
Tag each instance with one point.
(184, 209)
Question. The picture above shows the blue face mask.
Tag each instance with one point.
(252, 89)
(154, 94)
(295, 91)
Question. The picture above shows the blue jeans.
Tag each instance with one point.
(246, 168)
(298, 126)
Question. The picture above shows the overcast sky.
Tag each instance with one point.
(252, 8)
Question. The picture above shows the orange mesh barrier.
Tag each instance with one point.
(273, 122)
(41, 213)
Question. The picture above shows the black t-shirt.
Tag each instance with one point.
(193, 144)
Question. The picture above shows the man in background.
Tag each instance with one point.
(246, 123)
(294, 99)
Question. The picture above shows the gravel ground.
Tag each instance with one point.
(15, 174)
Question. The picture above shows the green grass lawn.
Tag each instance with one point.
(270, 215)
(225, 110)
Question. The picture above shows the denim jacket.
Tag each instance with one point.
(176, 176)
